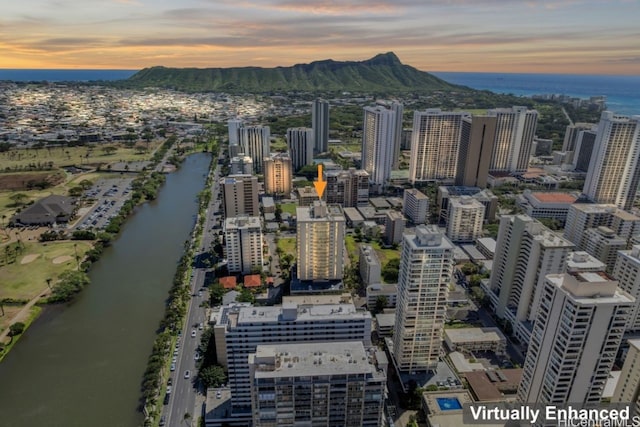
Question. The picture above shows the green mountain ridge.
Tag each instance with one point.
(383, 72)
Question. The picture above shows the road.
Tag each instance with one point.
(186, 397)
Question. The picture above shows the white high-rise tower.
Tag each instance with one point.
(614, 171)
(434, 145)
(426, 265)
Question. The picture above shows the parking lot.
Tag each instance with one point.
(110, 195)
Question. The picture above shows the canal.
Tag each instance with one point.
(82, 364)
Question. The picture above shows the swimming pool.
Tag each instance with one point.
(448, 403)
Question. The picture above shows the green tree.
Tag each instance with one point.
(109, 150)
(212, 376)
(75, 191)
(469, 268)
(381, 302)
(390, 270)
(19, 199)
(16, 329)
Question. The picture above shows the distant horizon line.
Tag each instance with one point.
(283, 66)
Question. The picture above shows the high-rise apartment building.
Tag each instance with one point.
(584, 150)
(434, 145)
(572, 134)
(278, 174)
(575, 339)
(628, 387)
(584, 216)
(614, 171)
(515, 129)
(300, 143)
(393, 227)
(255, 143)
(426, 266)
(627, 272)
(603, 243)
(240, 328)
(526, 251)
(476, 145)
(328, 384)
(379, 134)
(234, 136)
(466, 216)
(320, 245)
(241, 164)
(348, 188)
(369, 264)
(243, 243)
(320, 125)
(415, 206)
(240, 195)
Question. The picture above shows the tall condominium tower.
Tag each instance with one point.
(476, 145)
(628, 387)
(571, 135)
(575, 339)
(240, 328)
(415, 206)
(316, 384)
(348, 188)
(614, 171)
(434, 145)
(300, 143)
(320, 125)
(234, 136)
(241, 164)
(515, 129)
(583, 152)
(466, 216)
(398, 110)
(426, 264)
(243, 243)
(627, 272)
(526, 251)
(320, 233)
(584, 216)
(240, 195)
(255, 143)
(278, 174)
(379, 133)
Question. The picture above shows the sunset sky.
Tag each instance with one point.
(552, 36)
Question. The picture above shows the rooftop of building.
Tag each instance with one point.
(379, 202)
(594, 208)
(553, 198)
(252, 281)
(427, 236)
(386, 320)
(309, 359)
(320, 211)
(589, 288)
(581, 260)
(228, 282)
(494, 385)
(416, 193)
(474, 335)
(465, 202)
(395, 215)
(382, 288)
(241, 221)
(369, 254)
(300, 300)
(240, 314)
(488, 243)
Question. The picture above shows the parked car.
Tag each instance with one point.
(187, 374)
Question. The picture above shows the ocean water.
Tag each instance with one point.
(23, 75)
(622, 92)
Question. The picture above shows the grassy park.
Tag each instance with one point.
(288, 245)
(289, 208)
(25, 275)
(57, 157)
